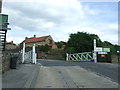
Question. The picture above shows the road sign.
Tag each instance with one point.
(106, 50)
(3, 21)
(102, 52)
(98, 49)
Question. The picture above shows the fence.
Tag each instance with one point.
(86, 56)
(28, 55)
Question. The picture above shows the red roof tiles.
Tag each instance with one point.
(33, 40)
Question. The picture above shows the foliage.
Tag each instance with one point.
(60, 44)
(106, 43)
(112, 47)
(57, 54)
(83, 42)
(70, 50)
(43, 48)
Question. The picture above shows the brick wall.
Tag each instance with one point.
(0, 56)
(114, 58)
(36, 44)
(0, 61)
(49, 41)
(6, 59)
(10, 46)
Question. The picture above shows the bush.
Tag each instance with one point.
(43, 48)
(58, 54)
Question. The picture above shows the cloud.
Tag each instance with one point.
(58, 12)
(58, 18)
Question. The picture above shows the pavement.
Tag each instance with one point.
(108, 70)
(21, 77)
(61, 74)
(71, 77)
(56, 74)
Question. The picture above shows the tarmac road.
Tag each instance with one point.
(62, 74)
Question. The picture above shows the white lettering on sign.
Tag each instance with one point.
(102, 52)
(98, 49)
(106, 49)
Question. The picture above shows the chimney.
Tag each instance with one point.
(12, 42)
(26, 38)
(34, 36)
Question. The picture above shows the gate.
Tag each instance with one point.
(30, 56)
(85, 57)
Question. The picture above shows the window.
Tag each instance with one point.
(50, 41)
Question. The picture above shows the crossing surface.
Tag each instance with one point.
(61, 74)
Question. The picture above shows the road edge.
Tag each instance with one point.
(31, 80)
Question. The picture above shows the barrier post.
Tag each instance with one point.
(23, 53)
(33, 55)
(66, 56)
(95, 54)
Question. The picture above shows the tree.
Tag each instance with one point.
(113, 48)
(43, 48)
(60, 44)
(82, 42)
(106, 43)
(70, 50)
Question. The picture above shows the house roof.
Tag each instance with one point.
(33, 40)
(10, 43)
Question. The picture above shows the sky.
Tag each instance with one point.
(60, 18)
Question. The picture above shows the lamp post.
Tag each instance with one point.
(118, 52)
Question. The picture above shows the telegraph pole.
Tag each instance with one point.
(0, 6)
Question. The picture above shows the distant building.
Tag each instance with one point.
(10, 45)
(63, 46)
(38, 41)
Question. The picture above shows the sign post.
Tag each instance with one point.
(95, 53)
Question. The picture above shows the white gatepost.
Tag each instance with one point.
(23, 53)
(66, 56)
(95, 53)
(33, 55)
